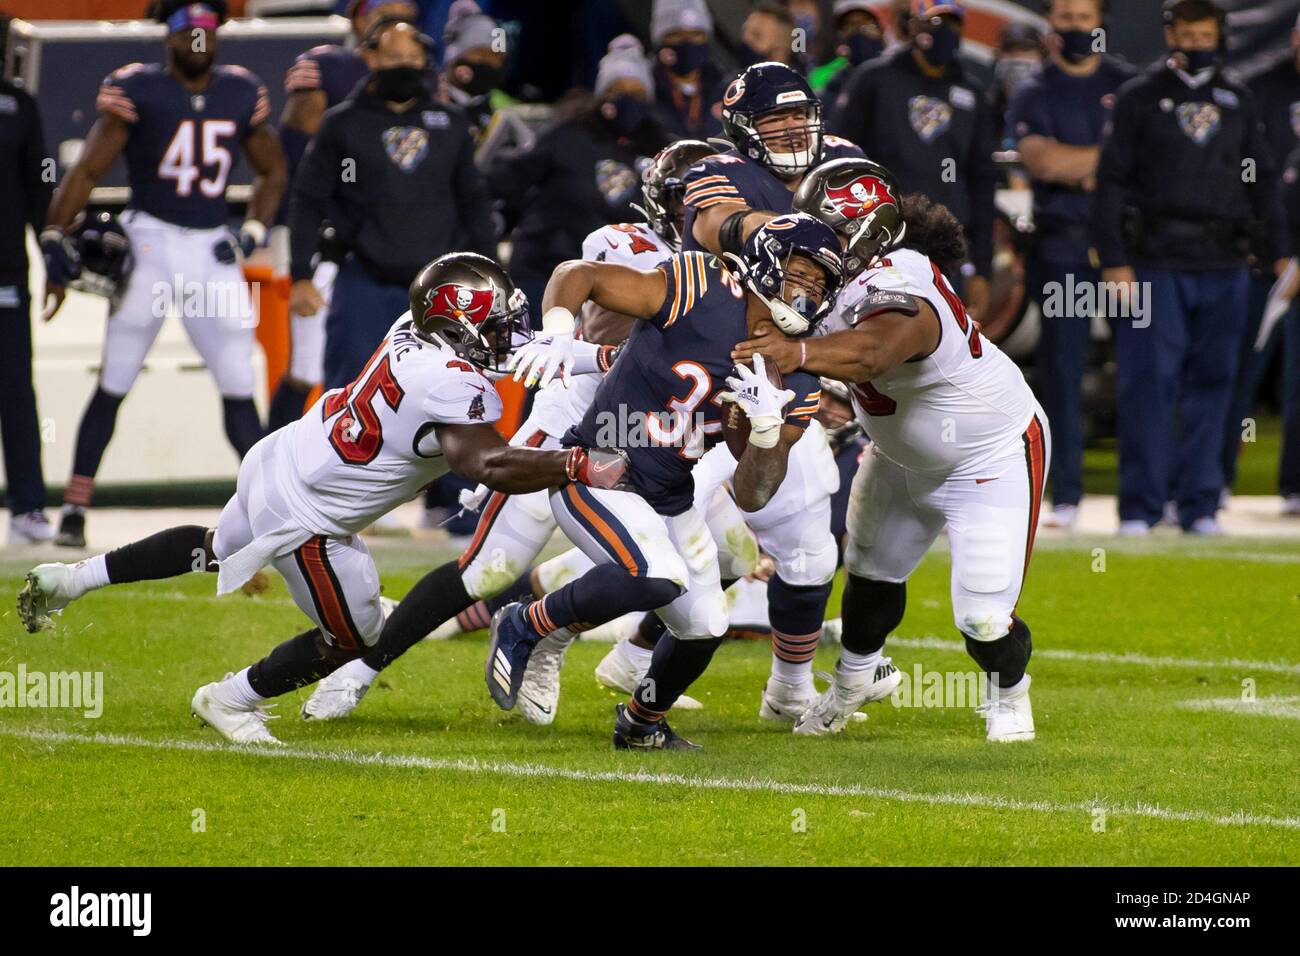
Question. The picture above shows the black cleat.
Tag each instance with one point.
(630, 735)
(72, 530)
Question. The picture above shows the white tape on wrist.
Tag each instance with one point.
(558, 321)
(255, 229)
(765, 437)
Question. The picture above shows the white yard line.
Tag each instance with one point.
(1237, 818)
(1105, 657)
(1259, 707)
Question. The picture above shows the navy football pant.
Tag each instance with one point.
(361, 311)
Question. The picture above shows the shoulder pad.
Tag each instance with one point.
(879, 301)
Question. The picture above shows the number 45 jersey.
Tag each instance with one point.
(366, 448)
(182, 145)
(953, 412)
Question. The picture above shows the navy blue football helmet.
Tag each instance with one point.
(764, 89)
(103, 251)
(764, 267)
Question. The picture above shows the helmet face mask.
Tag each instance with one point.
(860, 200)
(750, 109)
(468, 303)
(779, 267)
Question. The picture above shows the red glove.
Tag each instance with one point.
(598, 468)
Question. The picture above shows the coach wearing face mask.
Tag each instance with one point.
(1184, 198)
(1057, 121)
(917, 112)
(584, 171)
(859, 37)
(394, 171)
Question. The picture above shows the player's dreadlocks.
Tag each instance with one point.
(933, 230)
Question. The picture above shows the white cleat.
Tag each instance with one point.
(48, 589)
(31, 528)
(336, 696)
(239, 725)
(847, 693)
(1064, 517)
(787, 702)
(1136, 528)
(619, 670)
(539, 694)
(1008, 718)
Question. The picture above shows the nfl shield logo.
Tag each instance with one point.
(1199, 121)
(406, 146)
(930, 118)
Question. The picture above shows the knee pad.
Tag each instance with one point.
(980, 620)
(795, 609)
(871, 610)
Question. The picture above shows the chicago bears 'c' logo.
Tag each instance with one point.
(453, 301)
(929, 117)
(734, 92)
(1199, 121)
(860, 197)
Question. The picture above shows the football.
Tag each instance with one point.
(735, 423)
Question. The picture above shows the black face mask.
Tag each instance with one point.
(398, 84)
(1076, 45)
(688, 57)
(629, 113)
(943, 48)
(860, 48)
(483, 78)
(1198, 60)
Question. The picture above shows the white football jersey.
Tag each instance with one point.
(953, 412)
(366, 448)
(556, 407)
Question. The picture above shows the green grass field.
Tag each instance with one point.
(429, 772)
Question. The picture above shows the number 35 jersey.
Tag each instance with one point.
(182, 146)
(953, 412)
(366, 448)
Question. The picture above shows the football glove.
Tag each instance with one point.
(761, 401)
(62, 264)
(598, 467)
(234, 248)
(551, 353)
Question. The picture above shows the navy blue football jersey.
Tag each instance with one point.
(730, 177)
(334, 70)
(182, 145)
(668, 379)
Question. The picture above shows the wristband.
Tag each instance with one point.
(558, 321)
(254, 230)
(765, 437)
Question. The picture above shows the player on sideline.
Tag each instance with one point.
(513, 529)
(662, 401)
(958, 441)
(423, 405)
(179, 124)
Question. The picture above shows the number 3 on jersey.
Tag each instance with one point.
(178, 163)
(358, 434)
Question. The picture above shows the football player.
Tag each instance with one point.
(959, 441)
(179, 124)
(513, 529)
(423, 405)
(661, 401)
(320, 78)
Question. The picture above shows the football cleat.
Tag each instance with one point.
(786, 702)
(619, 670)
(239, 725)
(539, 694)
(845, 695)
(510, 644)
(1007, 718)
(630, 735)
(72, 530)
(335, 696)
(31, 528)
(48, 589)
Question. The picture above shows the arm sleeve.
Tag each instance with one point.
(37, 191)
(983, 187)
(473, 204)
(309, 204)
(1116, 169)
